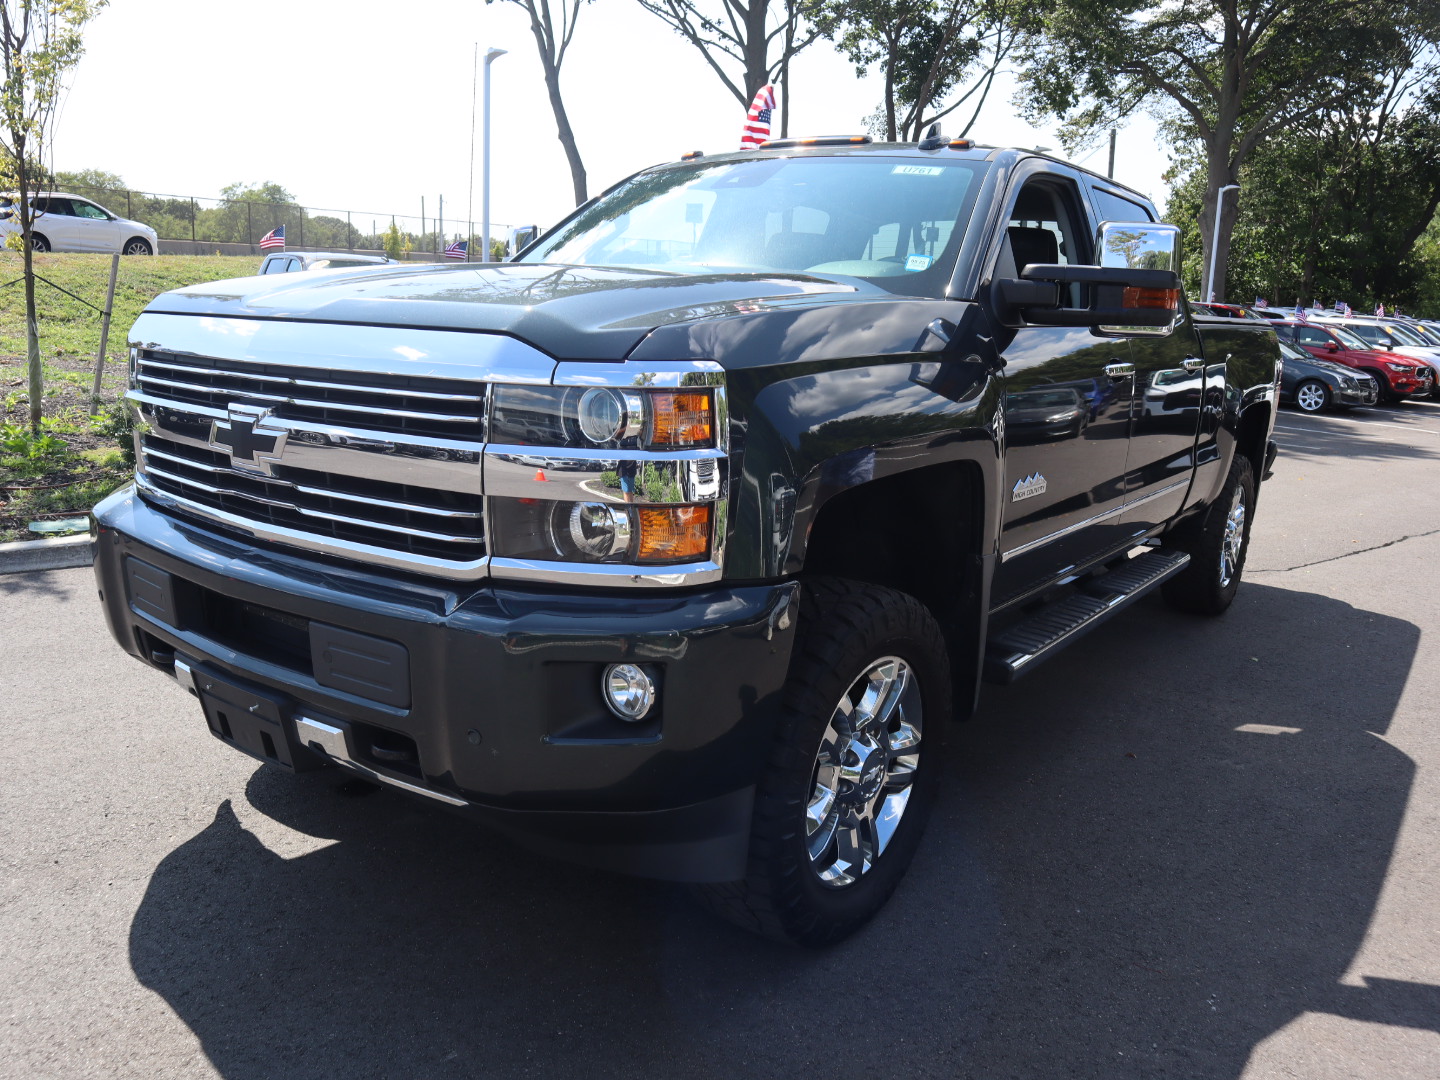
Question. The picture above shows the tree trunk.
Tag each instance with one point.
(757, 53)
(36, 375)
(549, 50)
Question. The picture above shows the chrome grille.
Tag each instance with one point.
(408, 405)
(362, 464)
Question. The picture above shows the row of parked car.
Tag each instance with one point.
(1335, 360)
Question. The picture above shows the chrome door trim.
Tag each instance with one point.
(1006, 556)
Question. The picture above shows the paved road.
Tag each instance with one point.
(1185, 848)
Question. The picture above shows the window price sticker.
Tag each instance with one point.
(914, 263)
(917, 170)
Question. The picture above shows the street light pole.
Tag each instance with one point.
(1215, 240)
(491, 55)
(474, 80)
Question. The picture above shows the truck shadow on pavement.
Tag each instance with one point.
(1149, 858)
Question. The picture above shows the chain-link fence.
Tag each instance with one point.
(238, 221)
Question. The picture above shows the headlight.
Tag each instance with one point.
(595, 532)
(1401, 368)
(591, 530)
(602, 416)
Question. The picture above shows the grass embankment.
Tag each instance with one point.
(80, 456)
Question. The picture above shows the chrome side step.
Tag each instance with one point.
(1020, 647)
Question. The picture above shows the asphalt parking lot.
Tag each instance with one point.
(1184, 848)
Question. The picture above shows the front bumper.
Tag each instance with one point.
(484, 698)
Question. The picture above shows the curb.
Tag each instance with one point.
(55, 553)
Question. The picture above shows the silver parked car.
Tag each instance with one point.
(285, 262)
(65, 222)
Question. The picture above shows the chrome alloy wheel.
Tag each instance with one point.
(1233, 540)
(864, 772)
(1310, 397)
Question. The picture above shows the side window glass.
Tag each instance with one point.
(1113, 207)
(88, 210)
(1045, 226)
(1310, 336)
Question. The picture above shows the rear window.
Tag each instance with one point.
(896, 222)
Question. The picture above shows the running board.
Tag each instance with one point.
(1021, 647)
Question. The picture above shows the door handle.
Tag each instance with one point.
(1119, 370)
(1192, 363)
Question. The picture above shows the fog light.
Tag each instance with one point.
(629, 692)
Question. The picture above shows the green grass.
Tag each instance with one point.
(68, 327)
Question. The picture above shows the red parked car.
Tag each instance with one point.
(1398, 377)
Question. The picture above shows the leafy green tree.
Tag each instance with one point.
(88, 180)
(40, 41)
(1228, 74)
(925, 49)
(1336, 208)
(247, 213)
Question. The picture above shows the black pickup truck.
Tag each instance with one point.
(672, 545)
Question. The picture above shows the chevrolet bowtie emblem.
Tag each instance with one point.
(252, 446)
(1032, 485)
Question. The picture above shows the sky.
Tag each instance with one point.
(368, 107)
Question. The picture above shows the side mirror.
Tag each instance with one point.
(1334, 346)
(1134, 290)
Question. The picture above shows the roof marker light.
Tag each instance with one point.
(692, 155)
(816, 140)
(961, 144)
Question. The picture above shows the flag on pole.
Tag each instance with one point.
(460, 249)
(757, 120)
(1261, 302)
(1300, 314)
(275, 238)
(1380, 310)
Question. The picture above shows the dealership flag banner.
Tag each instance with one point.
(1260, 301)
(275, 238)
(458, 249)
(757, 120)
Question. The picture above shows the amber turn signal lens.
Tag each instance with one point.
(674, 533)
(681, 418)
(1152, 298)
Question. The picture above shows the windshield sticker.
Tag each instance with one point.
(918, 170)
(914, 263)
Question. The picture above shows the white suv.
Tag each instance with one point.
(69, 223)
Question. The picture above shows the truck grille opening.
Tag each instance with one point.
(365, 465)
(406, 405)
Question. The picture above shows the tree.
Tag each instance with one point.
(925, 48)
(761, 35)
(40, 41)
(247, 212)
(1229, 74)
(552, 45)
(1336, 209)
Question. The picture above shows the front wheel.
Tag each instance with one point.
(137, 246)
(39, 242)
(1312, 396)
(1217, 548)
(847, 790)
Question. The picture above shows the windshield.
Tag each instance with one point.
(1402, 335)
(1348, 339)
(894, 221)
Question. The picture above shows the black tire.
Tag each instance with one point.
(848, 630)
(137, 245)
(1312, 396)
(38, 242)
(1217, 547)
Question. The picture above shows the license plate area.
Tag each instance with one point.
(250, 721)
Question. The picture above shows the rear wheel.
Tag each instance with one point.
(137, 245)
(1217, 548)
(1312, 396)
(846, 793)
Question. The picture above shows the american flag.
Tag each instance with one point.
(1260, 301)
(1380, 310)
(757, 120)
(458, 250)
(275, 238)
(1300, 314)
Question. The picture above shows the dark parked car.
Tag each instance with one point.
(1397, 377)
(1313, 385)
(1056, 413)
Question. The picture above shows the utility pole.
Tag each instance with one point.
(474, 79)
(1110, 172)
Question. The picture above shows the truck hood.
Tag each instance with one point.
(569, 312)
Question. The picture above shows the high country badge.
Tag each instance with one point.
(1032, 485)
